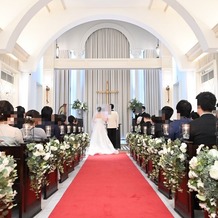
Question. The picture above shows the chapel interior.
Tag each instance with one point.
(53, 52)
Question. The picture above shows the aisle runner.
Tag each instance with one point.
(110, 186)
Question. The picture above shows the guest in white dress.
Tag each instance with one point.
(99, 142)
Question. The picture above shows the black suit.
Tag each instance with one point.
(203, 130)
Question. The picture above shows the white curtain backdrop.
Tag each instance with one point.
(61, 84)
(108, 43)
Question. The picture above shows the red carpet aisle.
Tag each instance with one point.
(109, 186)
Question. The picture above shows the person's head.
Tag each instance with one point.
(20, 111)
(99, 109)
(194, 115)
(146, 116)
(33, 113)
(206, 102)
(112, 106)
(143, 108)
(71, 119)
(184, 108)
(46, 113)
(167, 112)
(6, 109)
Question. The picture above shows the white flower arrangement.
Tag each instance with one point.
(77, 104)
(8, 175)
(38, 156)
(154, 147)
(173, 162)
(134, 103)
(203, 178)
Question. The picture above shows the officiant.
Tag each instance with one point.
(113, 127)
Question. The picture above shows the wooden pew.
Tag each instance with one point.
(52, 186)
(28, 205)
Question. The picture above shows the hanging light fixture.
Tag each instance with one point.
(57, 50)
(158, 49)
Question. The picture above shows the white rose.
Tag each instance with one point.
(192, 174)
(214, 171)
(53, 148)
(201, 197)
(200, 184)
(5, 161)
(36, 153)
(182, 157)
(193, 162)
(39, 147)
(199, 148)
(183, 147)
(213, 152)
(46, 157)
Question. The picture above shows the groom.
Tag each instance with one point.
(112, 126)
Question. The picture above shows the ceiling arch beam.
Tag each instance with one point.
(9, 36)
(190, 21)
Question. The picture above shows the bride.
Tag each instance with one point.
(99, 142)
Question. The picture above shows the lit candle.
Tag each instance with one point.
(166, 129)
(26, 127)
(79, 129)
(74, 129)
(185, 131)
(152, 130)
(68, 129)
(62, 131)
(145, 130)
(48, 131)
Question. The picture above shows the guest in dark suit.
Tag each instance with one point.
(183, 109)
(139, 116)
(46, 116)
(166, 114)
(146, 122)
(203, 129)
(73, 123)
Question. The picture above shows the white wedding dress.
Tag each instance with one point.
(99, 142)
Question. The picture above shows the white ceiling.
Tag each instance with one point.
(188, 28)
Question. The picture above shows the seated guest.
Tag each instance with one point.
(31, 133)
(183, 109)
(62, 124)
(139, 116)
(166, 114)
(9, 135)
(203, 129)
(46, 116)
(73, 122)
(146, 124)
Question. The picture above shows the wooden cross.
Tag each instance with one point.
(107, 92)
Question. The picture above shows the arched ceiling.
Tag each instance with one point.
(188, 28)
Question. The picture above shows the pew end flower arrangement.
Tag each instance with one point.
(60, 153)
(38, 155)
(77, 104)
(77, 142)
(173, 163)
(203, 178)
(154, 146)
(8, 174)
